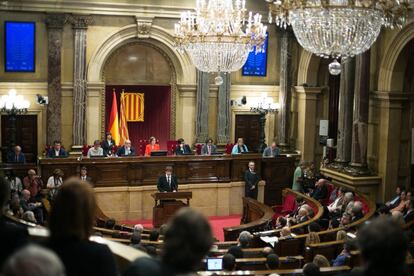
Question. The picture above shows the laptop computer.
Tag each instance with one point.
(159, 153)
(214, 264)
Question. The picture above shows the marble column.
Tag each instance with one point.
(54, 23)
(346, 99)
(361, 106)
(202, 106)
(285, 93)
(223, 118)
(80, 25)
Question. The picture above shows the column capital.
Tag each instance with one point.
(80, 21)
(56, 20)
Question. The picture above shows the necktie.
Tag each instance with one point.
(169, 181)
(209, 150)
(17, 158)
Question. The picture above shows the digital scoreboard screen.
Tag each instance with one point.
(20, 39)
(256, 64)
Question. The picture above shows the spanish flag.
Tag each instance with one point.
(113, 120)
(123, 127)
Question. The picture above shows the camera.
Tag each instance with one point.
(42, 99)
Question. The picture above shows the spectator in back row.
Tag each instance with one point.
(16, 156)
(244, 240)
(71, 220)
(57, 150)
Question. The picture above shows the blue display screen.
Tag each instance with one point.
(256, 64)
(19, 47)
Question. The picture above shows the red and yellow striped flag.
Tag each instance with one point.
(134, 107)
(123, 126)
(113, 126)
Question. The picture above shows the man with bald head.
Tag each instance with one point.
(28, 205)
(16, 156)
(33, 183)
(126, 150)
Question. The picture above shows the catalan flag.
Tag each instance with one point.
(113, 125)
(123, 126)
(134, 107)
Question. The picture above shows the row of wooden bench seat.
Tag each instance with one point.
(327, 271)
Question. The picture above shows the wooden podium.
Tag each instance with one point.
(166, 204)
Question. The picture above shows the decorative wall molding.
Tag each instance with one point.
(143, 27)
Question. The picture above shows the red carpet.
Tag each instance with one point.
(217, 223)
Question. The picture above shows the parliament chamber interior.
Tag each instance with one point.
(206, 137)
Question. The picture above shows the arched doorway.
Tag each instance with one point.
(139, 67)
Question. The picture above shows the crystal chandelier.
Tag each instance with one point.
(218, 36)
(337, 28)
(13, 104)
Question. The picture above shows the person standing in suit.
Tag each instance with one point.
(108, 144)
(57, 150)
(182, 147)
(126, 149)
(152, 146)
(167, 182)
(208, 148)
(16, 156)
(251, 180)
(240, 147)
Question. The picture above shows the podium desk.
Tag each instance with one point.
(167, 204)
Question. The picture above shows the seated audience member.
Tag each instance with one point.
(182, 148)
(34, 260)
(347, 203)
(136, 240)
(321, 190)
(398, 217)
(139, 229)
(272, 261)
(229, 262)
(267, 250)
(341, 235)
(321, 261)
(108, 145)
(110, 223)
(403, 203)
(16, 156)
(167, 182)
(12, 237)
(208, 148)
(345, 219)
(356, 211)
(244, 240)
(340, 260)
(54, 182)
(383, 247)
(314, 227)
(35, 207)
(57, 150)
(280, 222)
(298, 177)
(153, 236)
(395, 201)
(33, 183)
(236, 251)
(152, 146)
(312, 238)
(285, 233)
(71, 224)
(240, 147)
(84, 175)
(302, 216)
(29, 217)
(126, 149)
(186, 242)
(96, 150)
(163, 229)
(409, 215)
(151, 250)
(336, 205)
(251, 179)
(271, 151)
(16, 185)
(311, 269)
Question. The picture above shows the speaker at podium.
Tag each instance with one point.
(167, 204)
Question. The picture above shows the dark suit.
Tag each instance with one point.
(121, 151)
(163, 185)
(251, 179)
(204, 149)
(409, 217)
(88, 179)
(13, 158)
(185, 150)
(51, 153)
(107, 149)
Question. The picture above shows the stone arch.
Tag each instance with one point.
(308, 69)
(158, 36)
(387, 76)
